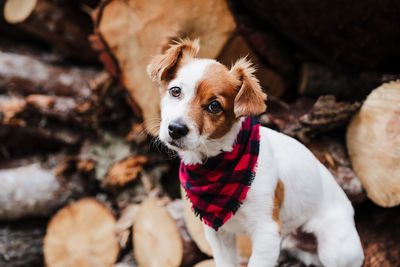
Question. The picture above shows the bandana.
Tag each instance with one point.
(218, 187)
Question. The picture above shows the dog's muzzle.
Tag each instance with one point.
(177, 130)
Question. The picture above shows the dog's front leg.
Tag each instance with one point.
(265, 245)
(223, 245)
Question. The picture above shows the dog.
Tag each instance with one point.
(204, 106)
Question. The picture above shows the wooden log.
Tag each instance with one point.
(331, 151)
(81, 234)
(374, 145)
(321, 30)
(316, 80)
(27, 74)
(21, 243)
(33, 187)
(60, 25)
(271, 81)
(124, 171)
(206, 263)
(379, 233)
(305, 118)
(160, 237)
(125, 30)
(103, 152)
(195, 226)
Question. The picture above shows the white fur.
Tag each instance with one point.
(312, 198)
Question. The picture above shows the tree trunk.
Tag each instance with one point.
(21, 243)
(37, 188)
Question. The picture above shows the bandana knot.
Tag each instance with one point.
(218, 187)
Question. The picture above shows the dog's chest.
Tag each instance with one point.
(256, 208)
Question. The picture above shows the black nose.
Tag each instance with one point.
(177, 129)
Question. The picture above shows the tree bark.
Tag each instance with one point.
(26, 74)
(331, 151)
(37, 188)
(379, 233)
(21, 243)
(306, 118)
(60, 25)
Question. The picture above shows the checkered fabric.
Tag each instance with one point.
(218, 187)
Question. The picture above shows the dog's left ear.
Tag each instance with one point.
(163, 67)
(250, 98)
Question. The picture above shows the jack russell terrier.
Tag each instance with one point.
(271, 183)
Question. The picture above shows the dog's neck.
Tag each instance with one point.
(211, 148)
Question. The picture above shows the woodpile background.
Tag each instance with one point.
(83, 182)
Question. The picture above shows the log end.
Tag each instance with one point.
(81, 234)
(373, 144)
(16, 11)
(156, 237)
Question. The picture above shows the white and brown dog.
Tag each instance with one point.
(203, 103)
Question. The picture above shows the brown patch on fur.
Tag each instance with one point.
(250, 99)
(163, 68)
(218, 84)
(278, 200)
(306, 241)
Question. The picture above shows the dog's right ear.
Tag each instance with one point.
(163, 67)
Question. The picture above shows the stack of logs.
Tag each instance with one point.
(84, 182)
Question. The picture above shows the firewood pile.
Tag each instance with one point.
(84, 181)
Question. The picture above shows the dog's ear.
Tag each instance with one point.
(250, 98)
(163, 67)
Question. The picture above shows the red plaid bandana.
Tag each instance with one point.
(218, 187)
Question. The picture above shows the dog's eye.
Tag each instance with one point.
(175, 91)
(214, 107)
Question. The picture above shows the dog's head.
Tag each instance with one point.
(202, 99)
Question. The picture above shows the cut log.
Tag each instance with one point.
(270, 80)
(21, 243)
(373, 142)
(125, 31)
(60, 25)
(124, 171)
(26, 74)
(331, 151)
(195, 226)
(55, 102)
(266, 44)
(206, 263)
(196, 230)
(125, 223)
(316, 80)
(329, 32)
(305, 118)
(81, 234)
(103, 152)
(37, 188)
(379, 233)
(160, 237)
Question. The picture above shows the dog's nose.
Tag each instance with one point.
(177, 130)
